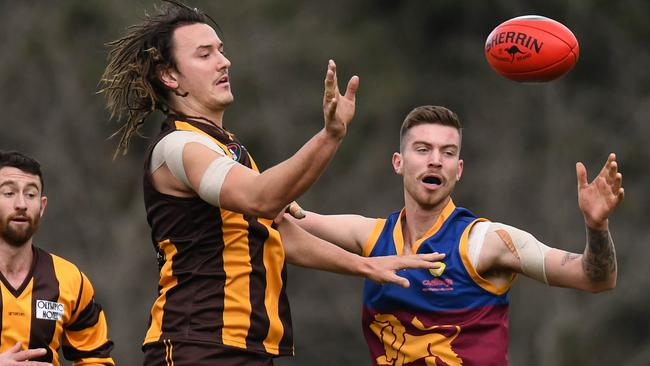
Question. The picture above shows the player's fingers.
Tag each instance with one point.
(329, 81)
(28, 354)
(621, 194)
(330, 108)
(418, 263)
(15, 348)
(353, 86)
(397, 280)
(606, 168)
(435, 256)
(295, 210)
(581, 174)
(618, 183)
(335, 81)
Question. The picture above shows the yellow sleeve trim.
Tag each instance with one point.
(478, 279)
(374, 235)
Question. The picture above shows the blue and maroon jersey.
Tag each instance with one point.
(449, 317)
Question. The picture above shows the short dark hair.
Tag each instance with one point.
(15, 159)
(432, 114)
(130, 81)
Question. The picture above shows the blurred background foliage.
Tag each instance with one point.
(521, 142)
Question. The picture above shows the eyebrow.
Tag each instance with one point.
(14, 184)
(447, 146)
(210, 46)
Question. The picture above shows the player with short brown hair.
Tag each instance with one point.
(458, 314)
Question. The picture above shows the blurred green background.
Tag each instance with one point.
(521, 142)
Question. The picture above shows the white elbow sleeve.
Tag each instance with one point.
(527, 248)
(212, 180)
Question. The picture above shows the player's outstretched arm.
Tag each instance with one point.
(15, 357)
(266, 194)
(595, 269)
(306, 250)
(349, 232)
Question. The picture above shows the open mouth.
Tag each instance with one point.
(430, 179)
(223, 79)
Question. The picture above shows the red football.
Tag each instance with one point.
(531, 48)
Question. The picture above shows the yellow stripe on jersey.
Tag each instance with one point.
(374, 235)
(464, 255)
(16, 317)
(273, 262)
(167, 282)
(237, 266)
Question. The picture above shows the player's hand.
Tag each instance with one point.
(292, 209)
(598, 199)
(15, 357)
(338, 109)
(384, 269)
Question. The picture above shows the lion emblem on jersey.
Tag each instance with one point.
(402, 348)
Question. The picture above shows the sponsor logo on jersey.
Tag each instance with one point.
(49, 310)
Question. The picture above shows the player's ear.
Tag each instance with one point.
(397, 163)
(43, 204)
(460, 169)
(167, 75)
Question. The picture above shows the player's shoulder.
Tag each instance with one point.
(65, 270)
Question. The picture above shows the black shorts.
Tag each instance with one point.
(171, 353)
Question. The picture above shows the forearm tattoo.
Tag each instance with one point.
(599, 259)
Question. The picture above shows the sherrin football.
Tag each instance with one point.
(531, 48)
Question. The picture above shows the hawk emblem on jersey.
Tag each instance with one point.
(49, 310)
(402, 348)
(236, 150)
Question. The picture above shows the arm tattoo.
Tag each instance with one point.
(569, 257)
(599, 259)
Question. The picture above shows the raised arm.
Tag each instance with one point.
(265, 194)
(594, 270)
(306, 250)
(597, 269)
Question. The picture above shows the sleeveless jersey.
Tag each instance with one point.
(54, 308)
(450, 318)
(222, 273)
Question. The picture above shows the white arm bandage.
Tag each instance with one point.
(530, 251)
(169, 150)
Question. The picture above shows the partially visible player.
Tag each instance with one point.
(47, 302)
(458, 314)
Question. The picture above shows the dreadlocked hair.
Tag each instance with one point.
(130, 82)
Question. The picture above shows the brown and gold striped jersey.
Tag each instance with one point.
(222, 273)
(55, 308)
